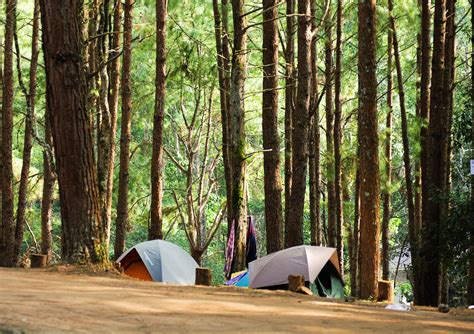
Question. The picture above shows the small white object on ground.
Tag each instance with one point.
(471, 307)
(398, 307)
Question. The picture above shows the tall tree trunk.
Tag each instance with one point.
(122, 204)
(412, 229)
(346, 197)
(106, 123)
(2, 228)
(331, 189)
(110, 126)
(436, 172)
(290, 83)
(417, 171)
(448, 101)
(271, 138)
(368, 152)
(30, 96)
(91, 19)
(425, 82)
(386, 196)
(237, 111)
(156, 224)
(470, 287)
(338, 141)
(314, 142)
(354, 261)
(67, 93)
(226, 59)
(223, 90)
(49, 179)
(7, 258)
(300, 122)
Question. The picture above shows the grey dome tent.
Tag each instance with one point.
(160, 261)
(318, 265)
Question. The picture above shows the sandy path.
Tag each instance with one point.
(48, 301)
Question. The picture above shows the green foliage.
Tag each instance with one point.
(405, 290)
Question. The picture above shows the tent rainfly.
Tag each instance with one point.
(318, 265)
(160, 261)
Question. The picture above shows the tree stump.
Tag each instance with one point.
(296, 284)
(385, 291)
(38, 260)
(203, 276)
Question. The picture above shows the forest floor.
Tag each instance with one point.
(68, 299)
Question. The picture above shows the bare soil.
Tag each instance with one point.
(65, 299)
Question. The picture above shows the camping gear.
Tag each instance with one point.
(240, 280)
(243, 282)
(160, 261)
(318, 265)
(251, 253)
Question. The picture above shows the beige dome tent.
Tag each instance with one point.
(316, 264)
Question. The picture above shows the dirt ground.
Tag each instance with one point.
(62, 299)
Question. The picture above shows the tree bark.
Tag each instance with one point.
(122, 205)
(412, 228)
(30, 97)
(338, 141)
(2, 228)
(354, 261)
(417, 168)
(314, 142)
(237, 111)
(271, 138)
(111, 125)
(49, 179)
(425, 82)
(225, 119)
(470, 287)
(226, 59)
(67, 93)
(91, 19)
(300, 122)
(7, 258)
(106, 119)
(157, 166)
(290, 83)
(368, 152)
(331, 188)
(386, 196)
(448, 101)
(436, 172)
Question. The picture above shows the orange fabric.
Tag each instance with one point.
(138, 270)
(134, 267)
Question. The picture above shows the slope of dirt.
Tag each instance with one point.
(60, 301)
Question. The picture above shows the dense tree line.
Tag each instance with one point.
(264, 114)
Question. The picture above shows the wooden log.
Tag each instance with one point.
(296, 284)
(203, 276)
(385, 291)
(38, 260)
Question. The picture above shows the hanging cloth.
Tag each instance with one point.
(251, 254)
(229, 251)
